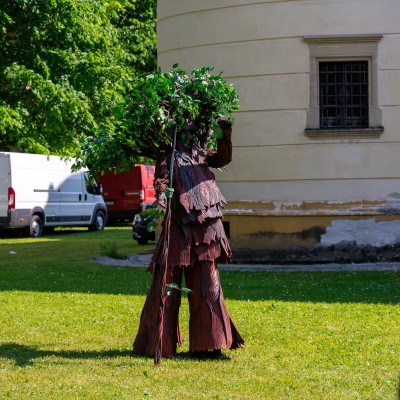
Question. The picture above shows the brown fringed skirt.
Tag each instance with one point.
(210, 326)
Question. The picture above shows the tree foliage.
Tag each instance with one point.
(62, 62)
(157, 104)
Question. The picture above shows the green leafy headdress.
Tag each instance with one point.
(156, 103)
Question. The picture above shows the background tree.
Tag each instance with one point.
(62, 62)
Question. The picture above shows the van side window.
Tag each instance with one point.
(91, 186)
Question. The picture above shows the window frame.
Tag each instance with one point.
(341, 83)
(337, 49)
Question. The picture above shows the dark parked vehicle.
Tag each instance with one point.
(143, 226)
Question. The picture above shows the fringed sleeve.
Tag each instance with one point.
(223, 155)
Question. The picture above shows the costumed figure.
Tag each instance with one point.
(196, 241)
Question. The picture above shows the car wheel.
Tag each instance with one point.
(36, 226)
(99, 222)
(142, 241)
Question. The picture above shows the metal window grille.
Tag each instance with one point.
(343, 94)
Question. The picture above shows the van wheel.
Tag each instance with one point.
(36, 227)
(99, 222)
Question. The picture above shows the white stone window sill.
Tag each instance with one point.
(368, 133)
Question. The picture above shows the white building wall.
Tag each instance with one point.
(261, 50)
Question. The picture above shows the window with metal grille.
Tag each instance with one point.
(343, 94)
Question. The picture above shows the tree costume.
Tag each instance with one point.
(197, 242)
(172, 118)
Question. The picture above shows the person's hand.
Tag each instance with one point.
(169, 192)
(217, 132)
(226, 126)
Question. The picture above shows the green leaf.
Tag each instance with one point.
(174, 285)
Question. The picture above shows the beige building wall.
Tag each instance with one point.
(288, 183)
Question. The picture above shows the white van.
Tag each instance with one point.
(38, 191)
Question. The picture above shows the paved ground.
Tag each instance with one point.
(142, 261)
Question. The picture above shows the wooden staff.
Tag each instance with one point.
(164, 263)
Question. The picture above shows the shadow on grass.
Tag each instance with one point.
(65, 265)
(328, 287)
(54, 267)
(8, 233)
(23, 233)
(24, 356)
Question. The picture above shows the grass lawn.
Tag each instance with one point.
(67, 325)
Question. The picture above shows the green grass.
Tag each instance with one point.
(67, 325)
